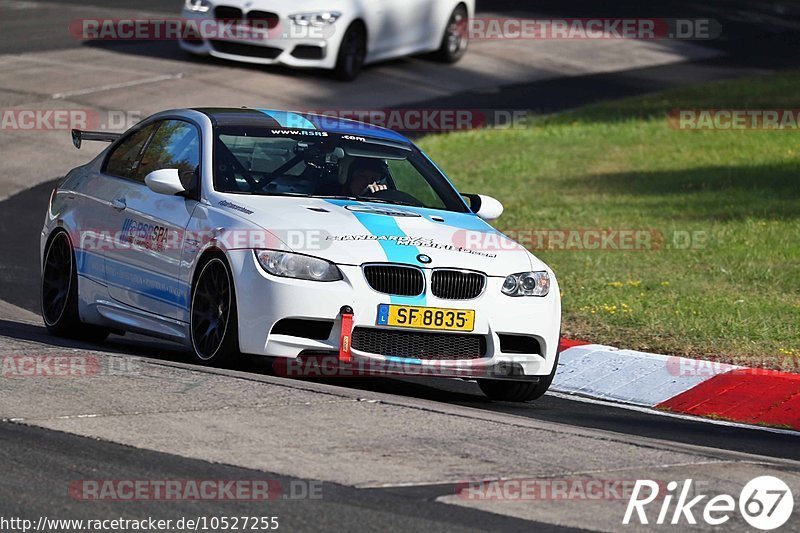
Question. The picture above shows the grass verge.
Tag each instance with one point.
(723, 279)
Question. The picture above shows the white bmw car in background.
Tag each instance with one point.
(337, 35)
(287, 235)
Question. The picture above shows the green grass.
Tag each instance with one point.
(619, 165)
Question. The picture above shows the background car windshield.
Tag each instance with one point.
(247, 161)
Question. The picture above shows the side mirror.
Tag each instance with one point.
(165, 181)
(484, 206)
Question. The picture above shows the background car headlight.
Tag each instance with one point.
(315, 19)
(527, 284)
(198, 6)
(289, 265)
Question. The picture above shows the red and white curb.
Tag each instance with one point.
(680, 385)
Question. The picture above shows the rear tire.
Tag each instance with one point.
(456, 39)
(214, 324)
(518, 391)
(59, 294)
(352, 53)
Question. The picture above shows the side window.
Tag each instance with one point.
(176, 144)
(124, 158)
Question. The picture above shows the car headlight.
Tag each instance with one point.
(198, 6)
(290, 265)
(527, 284)
(321, 19)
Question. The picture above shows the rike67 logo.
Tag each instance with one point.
(766, 503)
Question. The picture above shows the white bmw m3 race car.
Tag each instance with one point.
(290, 236)
(337, 35)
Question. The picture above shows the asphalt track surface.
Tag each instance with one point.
(39, 463)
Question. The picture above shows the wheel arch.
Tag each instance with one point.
(207, 255)
(64, 221)
(49, 240)
(204, 257)
(466, 7)
(360, 23)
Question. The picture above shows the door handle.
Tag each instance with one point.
(119, 204)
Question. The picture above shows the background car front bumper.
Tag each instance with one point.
(298, 52)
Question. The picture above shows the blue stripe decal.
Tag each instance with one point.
(140, 281)
(404, 361)
(383, 225)
(289, 120)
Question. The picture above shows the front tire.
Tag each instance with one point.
(59, 294)
(518, 391)
(352, 53)
(456, 40)
(214, 319)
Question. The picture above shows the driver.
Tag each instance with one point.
(366, 176)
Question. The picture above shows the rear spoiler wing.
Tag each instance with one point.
(79, 136)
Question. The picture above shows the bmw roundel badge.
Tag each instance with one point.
(424, 259)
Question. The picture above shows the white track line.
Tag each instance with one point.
(111, 87)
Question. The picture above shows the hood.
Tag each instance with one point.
(353, 233)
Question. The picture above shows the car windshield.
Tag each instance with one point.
(251, 160)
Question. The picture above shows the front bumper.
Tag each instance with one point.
(264, 300)
(280, 47)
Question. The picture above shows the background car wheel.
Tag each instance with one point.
(59, 293)
(352, 53)
(214, 320)
(518, 391)
(456, 39)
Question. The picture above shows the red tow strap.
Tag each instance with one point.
(345, 339)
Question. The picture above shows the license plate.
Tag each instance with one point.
(406, 316)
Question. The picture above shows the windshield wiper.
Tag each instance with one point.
(384, 201)
(293, 194)
(367, 199)
(334, 197)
